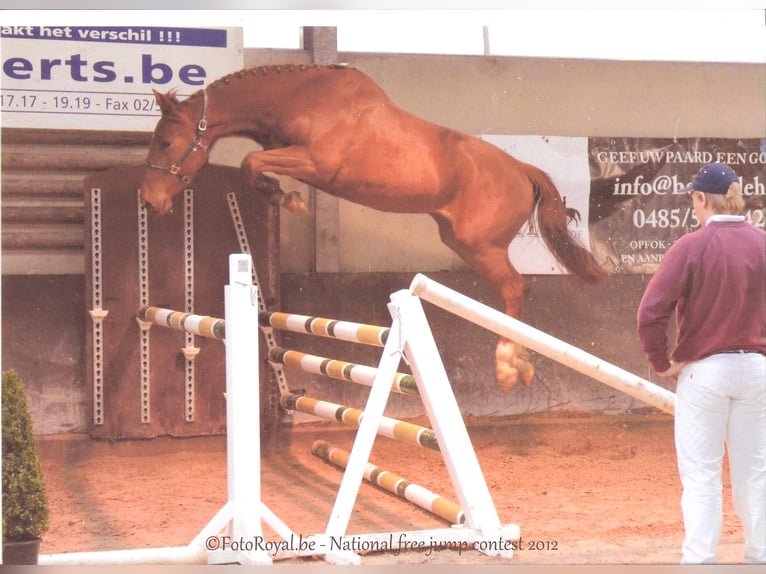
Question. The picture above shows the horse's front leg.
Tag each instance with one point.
(270, 187)
(293, 161)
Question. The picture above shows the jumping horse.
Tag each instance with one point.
(335, 129)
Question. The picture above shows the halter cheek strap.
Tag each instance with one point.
(195, 144)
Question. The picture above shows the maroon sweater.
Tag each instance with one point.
(715, 280)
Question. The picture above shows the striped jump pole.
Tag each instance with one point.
(551, 347)
(198, 324)
(343, 330)
(340, 370)
(434, 503)
(391, 428)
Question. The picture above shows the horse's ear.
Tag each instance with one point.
(168, 102)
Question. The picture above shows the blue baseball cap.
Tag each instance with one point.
(713, 178)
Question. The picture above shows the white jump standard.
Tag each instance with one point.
(241, 516)
(409, 338)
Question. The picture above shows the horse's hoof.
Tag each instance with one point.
(293, 202)
(507, 377)
(526, 372)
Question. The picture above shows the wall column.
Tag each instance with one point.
(322, 42)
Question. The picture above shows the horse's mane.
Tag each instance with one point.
(273, 69)
(258, 71)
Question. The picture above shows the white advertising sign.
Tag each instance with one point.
(102, 77)
(565, 160)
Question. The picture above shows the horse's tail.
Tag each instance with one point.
(552, 223)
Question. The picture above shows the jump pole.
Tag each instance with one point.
(340, 370)
(323, 327)
(202, 325)
(424, 498)
(551, 347)
(388, 427)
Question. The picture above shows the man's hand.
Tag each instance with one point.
(673, 371)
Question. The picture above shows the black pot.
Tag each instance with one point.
(22, 552)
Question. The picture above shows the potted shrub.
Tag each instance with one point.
(25, 500)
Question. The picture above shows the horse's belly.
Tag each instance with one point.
(390, 181)
(392, 197)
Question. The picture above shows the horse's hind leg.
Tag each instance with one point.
(511, 364)
(490, 261)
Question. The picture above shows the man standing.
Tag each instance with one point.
(714, 280)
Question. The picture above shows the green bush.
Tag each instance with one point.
(25, 500)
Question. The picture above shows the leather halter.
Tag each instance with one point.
(195, 144)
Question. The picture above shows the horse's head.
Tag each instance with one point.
(176, 152)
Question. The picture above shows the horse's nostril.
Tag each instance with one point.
(144, 203)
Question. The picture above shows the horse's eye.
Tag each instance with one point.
(164, 144)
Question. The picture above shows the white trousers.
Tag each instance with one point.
(721, 404)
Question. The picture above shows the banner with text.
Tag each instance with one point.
(638, 206)
(102, 77)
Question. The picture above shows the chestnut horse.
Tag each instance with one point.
(335, 129)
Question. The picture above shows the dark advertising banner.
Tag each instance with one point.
(638, 206)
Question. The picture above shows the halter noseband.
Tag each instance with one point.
(196, 143)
